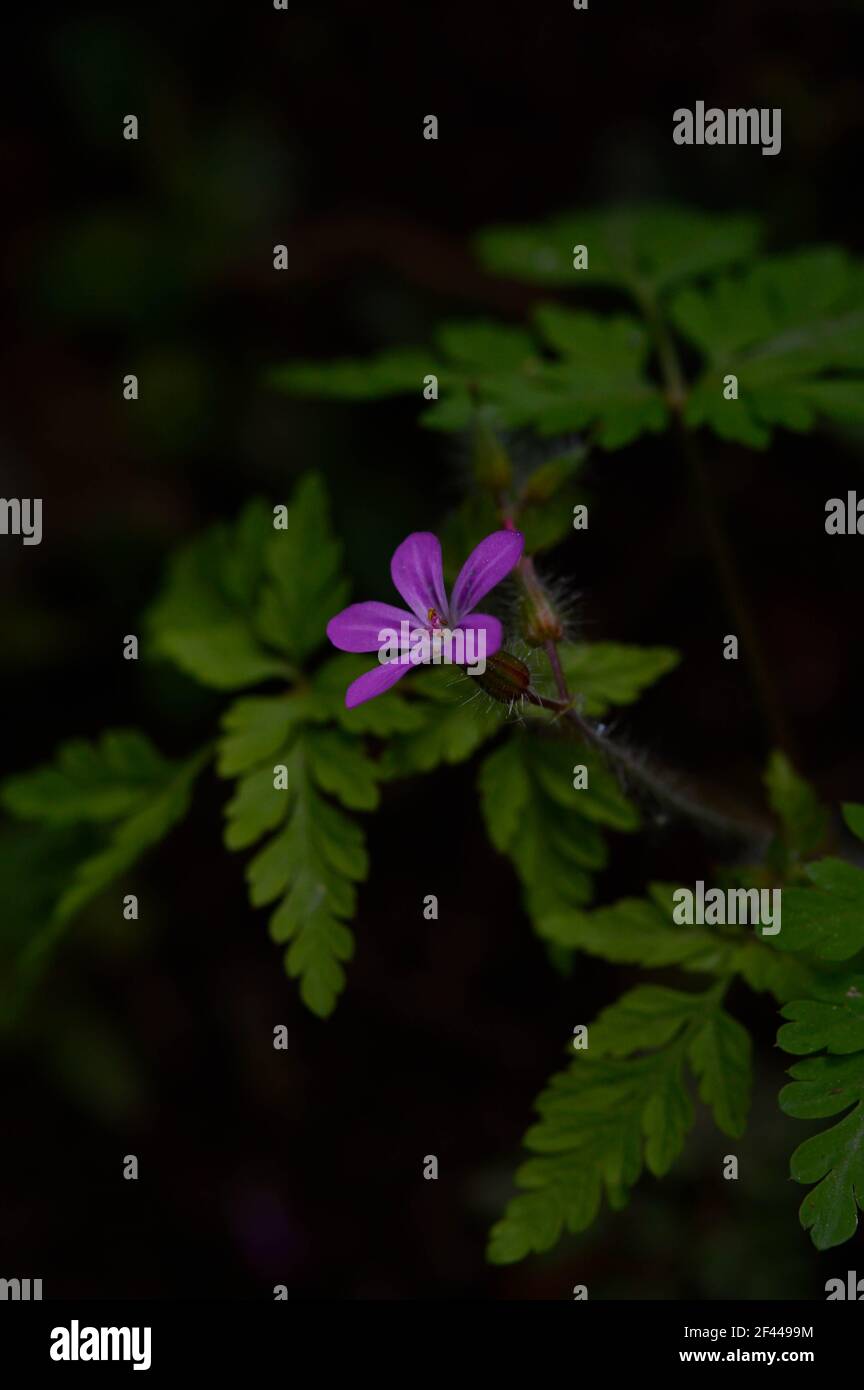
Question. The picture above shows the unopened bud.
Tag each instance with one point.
(540, 622)
(506, 678)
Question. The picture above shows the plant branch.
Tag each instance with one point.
(664, 786)
(718, 543)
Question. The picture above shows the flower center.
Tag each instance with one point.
(433, 618)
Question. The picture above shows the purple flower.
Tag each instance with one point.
(418, 575)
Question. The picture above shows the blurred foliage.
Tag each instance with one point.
(790, 328)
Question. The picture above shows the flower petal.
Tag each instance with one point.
(419, 576)
(489, 633)
(374, 682)
(485, 567)
(357, 627)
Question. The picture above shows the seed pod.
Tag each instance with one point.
(506, 678)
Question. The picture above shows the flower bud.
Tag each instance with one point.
(506, 678)
(540, 622)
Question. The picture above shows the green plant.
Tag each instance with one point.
(246, 606)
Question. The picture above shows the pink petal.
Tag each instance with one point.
(356, 628)
(493, 633)
(374, 682)
(418, 575)
(485, 567)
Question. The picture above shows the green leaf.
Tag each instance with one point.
(203, 620)
(635, 249)
(720, 1057)
(641, 931)
(392, 713)
(454, 723)
(785, 329)
(834, 1159)
(803, 818)
(166, 803)
(391, 373)
(833, 1019)
(242, 598)
(100, 807)
(827, 919)
(88, 782)
(548, 829)
(598, 1122)
(608, 673)
(499, 374)
(621, 1106)
(304, 586)
(854, 818)
(36, 864)
(310, 866)
(256, 727)
(482, 346)
(599, 381)
(121, 785)
(340, 766)
(647, 1017)
(544, 510)
(634, 931)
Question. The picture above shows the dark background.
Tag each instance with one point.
(257, 127)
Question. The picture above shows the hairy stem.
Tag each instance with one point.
(664, 786)
(555, 663)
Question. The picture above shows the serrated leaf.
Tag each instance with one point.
(304, 586)
(785, 329)
(454, 724)
(533, 1222)
(640, 931)
(834, 1159)
(317, 854)
(203, 620)
(500, 371)
(619, 1108)
(602, 674)
(485, 346)
(100, 807)
(720, 1057)
(636, 249)
(242, 598)
(340, 766)
(505, 790)
(549, 829)
(826, 920)
(832, 1018)
(388, 714)
(165, 805)
(803, 818)
(644, 1018)
(599, 381)
(255, 728)
(88, 782)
